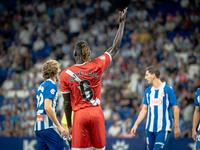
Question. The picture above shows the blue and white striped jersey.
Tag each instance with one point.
(47, 89)
(159, 108)
(197, 102)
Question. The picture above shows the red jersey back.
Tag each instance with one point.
(83, 81)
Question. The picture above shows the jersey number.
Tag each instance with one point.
(40, 100)
(87, 92)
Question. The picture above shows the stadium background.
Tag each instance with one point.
(157, 32)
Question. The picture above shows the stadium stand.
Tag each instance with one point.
(161, 33)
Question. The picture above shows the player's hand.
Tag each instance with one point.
(194, 135)
(133, 130)
(122, 15)
(177, 133)
(64, 132)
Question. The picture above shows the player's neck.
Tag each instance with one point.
(157, 84)
(79, 62)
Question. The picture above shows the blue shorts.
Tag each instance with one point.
(50, 139)
(198, 140)
(157, 140)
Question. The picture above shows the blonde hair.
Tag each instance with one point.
(50, 69)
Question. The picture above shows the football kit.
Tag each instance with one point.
(47, 134)
(159, 118)
(83, 82)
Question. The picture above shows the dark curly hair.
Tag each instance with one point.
(82, 50)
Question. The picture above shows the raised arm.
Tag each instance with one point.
(118, 38)
(68, 109)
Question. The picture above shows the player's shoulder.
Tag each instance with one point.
(198, 91)
(104, 56)
(148, 90)
(63, 73)
(49, 82)
(168, 87)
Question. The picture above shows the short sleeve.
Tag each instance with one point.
(172, 97)
(103, 61)
(145, 98)
(50, 91)
(197, 98)
(64, 88)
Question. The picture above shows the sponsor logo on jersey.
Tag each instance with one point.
(52, 91)
(156, 101)
(40, 118)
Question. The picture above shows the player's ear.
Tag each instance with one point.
(75, 54)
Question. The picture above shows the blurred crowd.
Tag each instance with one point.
(164, 34)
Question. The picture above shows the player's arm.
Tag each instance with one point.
(176, 112)
(195, 122)
(50, 112)
(118, 38)
(141, 116)
(67, 108)
(177, 131)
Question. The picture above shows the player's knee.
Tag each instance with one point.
(159, 146)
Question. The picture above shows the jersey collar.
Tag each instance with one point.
(161, 87)
(50, 80)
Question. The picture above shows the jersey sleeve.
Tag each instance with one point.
(50, 91)
(145, 98)
(103, 61)
(64, 88)
(172, 97)
(197, 97)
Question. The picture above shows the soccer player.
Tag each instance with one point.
(48, 130)
(196, 120)
(158, 100)
(81, 89)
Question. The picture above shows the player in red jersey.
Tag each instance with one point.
(81, 89)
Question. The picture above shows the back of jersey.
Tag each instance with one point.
(47, 90)
(83, 81)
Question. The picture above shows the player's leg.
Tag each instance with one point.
(80, 131)
(41, 145)
(150, 139)
(52, 138)
(198, 141)
(161, 140)
(98, 128)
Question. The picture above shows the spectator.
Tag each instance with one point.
(187, 23)
(169, 46)
(178, 18)
(38, 44)
(114, 130)
(24, 37)
(191, 57)
(177, 39)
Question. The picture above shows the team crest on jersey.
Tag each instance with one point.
(156, 101)
(163, 94)
(102, 57)
(52, 91)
